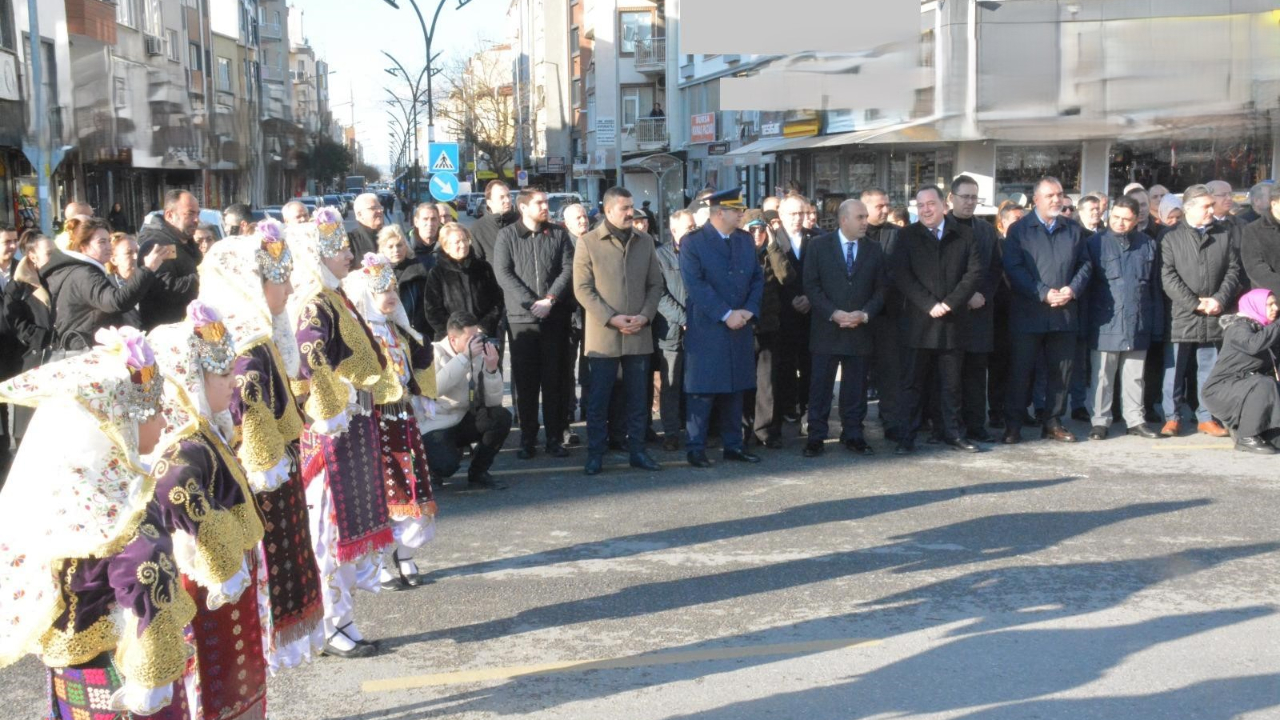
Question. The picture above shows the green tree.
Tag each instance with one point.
(370, 173)
(327, 162)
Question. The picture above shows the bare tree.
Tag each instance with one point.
(478, 107)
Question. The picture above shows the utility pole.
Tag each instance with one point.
(43, 156)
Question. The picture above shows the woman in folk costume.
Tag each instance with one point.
(90, 583)
(207, 505)
(246, 279)
(341, 461)
(408, 382)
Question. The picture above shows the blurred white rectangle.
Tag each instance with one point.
(768, 28)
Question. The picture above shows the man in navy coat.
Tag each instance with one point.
(723, 283)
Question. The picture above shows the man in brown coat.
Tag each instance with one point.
(618, 282)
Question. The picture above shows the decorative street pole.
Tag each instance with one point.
(427, 37)
(415, 87)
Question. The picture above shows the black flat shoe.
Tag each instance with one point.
(813, 449)
(362, 649)
(698, 459)
(859, 446)
(963, 445)
(741, 456)
(642, 461)
(1145, 431)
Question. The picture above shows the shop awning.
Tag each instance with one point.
(924, 130)
(754, 153)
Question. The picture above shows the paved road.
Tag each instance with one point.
(1125, 579)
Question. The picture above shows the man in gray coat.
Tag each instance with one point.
(617, 281)
(844, 279)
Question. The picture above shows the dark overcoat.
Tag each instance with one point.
(1037, 261)
(829, 288)
(719, 276)
(929, 271)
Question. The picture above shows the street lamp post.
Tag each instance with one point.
(415, 87)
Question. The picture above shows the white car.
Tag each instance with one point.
(212, 218)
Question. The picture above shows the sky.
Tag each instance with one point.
(351, 34)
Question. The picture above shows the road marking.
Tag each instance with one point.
(646, 660)
(1196, 446)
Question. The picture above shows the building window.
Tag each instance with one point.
(6, 25)
(172, 45)
(1019, 167)
(577, 93)
(575, 44)
(126, 13)
(634, 26)
(152, 18)
(193, 57)
(224, 74)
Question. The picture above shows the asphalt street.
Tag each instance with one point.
(1101, 580)
(1121, 579)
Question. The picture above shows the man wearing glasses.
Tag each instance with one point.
(979, 331)
(369, 220)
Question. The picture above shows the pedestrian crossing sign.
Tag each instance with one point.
(443, 157)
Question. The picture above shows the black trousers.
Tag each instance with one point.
(932, 371)
(853, 395)
(973, 396)
(572, 349)
(886, 372)
(791, 371)
(1059, 349)
(537, 353)
(998, 362)
(488, 426)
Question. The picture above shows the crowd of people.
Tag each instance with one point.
(258, 423)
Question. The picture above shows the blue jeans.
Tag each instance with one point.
(1177, 363)
(635, 375)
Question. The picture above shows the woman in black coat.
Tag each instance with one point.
(461, 282)
(27, 313)
(1243, 390)
(84, 298)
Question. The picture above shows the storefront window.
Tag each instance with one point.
(826, 173)
(861, 171)
(1177, 164)
(1019, 167)
(910, 171)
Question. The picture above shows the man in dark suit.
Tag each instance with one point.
(1047, 262)
(791, 361)
(979, 333)
(845, 283)
(723, 283)
(937, 267)
(886, 359)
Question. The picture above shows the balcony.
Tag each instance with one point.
(646, 135)
(272, 74)
(651, 56)
(270, 31)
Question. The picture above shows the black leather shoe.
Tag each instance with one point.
(557, 450)
(859, 446)
(813, 449)
(1057, 432)
(773, 443)
(741, 456)
(905, 447)
(1255, 445)
(642, 461)
(963, 445)
(1012, 436)
(1146, 431)
(698, 459)
(594, 466)
(484, 481)
(1097, 432)
(671, 443)
(527, 452)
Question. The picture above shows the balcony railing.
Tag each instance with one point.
(649, 133)
(270, 31)
(651, 55)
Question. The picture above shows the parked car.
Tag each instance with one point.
(207, 217)
(275, 212)
(336, 201)
(557, 202)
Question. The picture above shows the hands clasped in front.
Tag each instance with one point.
(628, 324)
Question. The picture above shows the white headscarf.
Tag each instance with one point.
(356, 286)
(77, 487)
(231, 283)
(310, 276)
(185, 401)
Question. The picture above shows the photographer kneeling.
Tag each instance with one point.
(468, 406)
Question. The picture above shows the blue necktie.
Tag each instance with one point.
(848, 259)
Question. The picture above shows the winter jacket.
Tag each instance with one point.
(363, 240)
(668, 326)
(1194, 267)
(612, 277)
(979, 332)
(533, 265)
(468, 285)
(1260, 253)
(1037, 261)
(453, 387)
(777, 273)
(86, 300)
(484, 233)
(177, 280)
(1122, 307)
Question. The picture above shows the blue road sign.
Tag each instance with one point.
(443, 158)
(444, 186)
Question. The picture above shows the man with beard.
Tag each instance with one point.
(177, 281)
(533, 260)
(498, 215)
(370, 217)
(886, 348)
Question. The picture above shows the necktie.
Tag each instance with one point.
(848, 259)
(938, 232)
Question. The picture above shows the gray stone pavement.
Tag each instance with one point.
(1122, 579)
